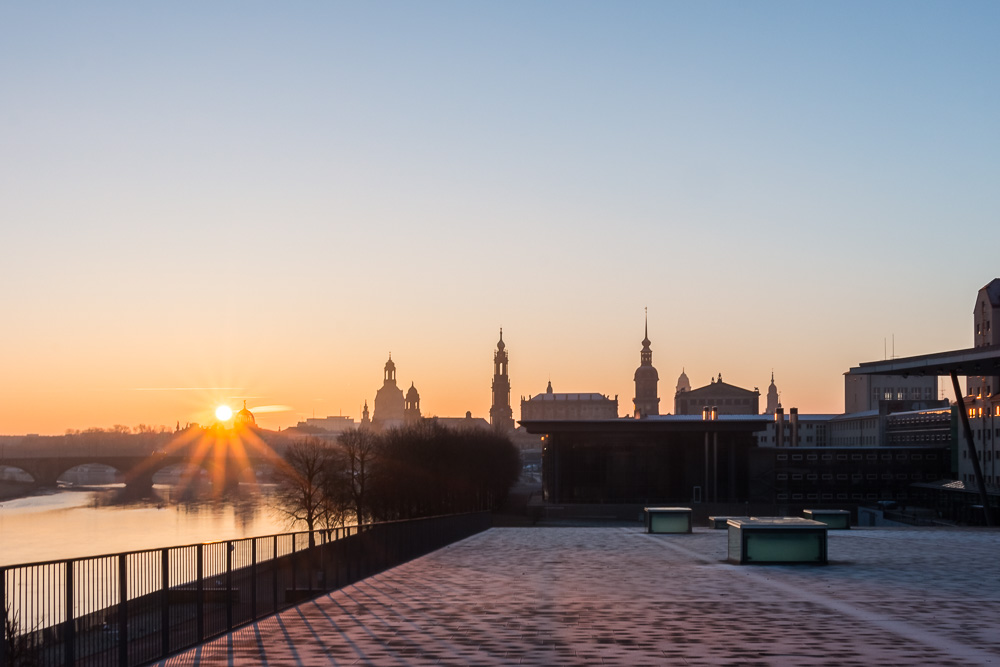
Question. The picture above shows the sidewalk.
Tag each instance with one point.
(591, 596)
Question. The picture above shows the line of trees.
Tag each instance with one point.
(423, 469)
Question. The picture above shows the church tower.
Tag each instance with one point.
(646, 379)
(501, 416)
(772, 397)
(411, 406)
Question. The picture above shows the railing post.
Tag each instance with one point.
(69, 646)
(253, 577)
(123, 610)
(229, 585)
(291, 556)
(165, 602)
(4, 657)
(200, 587)
(274, 574)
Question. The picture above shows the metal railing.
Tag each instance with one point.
(137, 607)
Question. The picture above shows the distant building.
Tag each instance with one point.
(986, 312)
(389, 403)
(336, 424)
(646, 401)
(552, 406)
(411, 405)
(462, 423)
(501, 415)
(773, 397)
(683, 383)
(807, 430)
(864, 392)
(729, 399)
(244, 418)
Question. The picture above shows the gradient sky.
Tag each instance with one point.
(205, 202)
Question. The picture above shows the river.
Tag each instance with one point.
(71, 522)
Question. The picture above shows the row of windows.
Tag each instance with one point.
(887, 495)
(969, 477)
(902, 393)
(859, 457)
(856, 477)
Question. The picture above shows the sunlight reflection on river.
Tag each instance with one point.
(70, 523)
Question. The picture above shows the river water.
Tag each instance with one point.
(71, 522)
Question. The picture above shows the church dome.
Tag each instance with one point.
(646, 373)
(683, 383)
(500, 344)
(244, 417)
(389, 365)
(411, 393)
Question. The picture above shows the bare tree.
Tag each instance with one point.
(310, 484)
(360, 448)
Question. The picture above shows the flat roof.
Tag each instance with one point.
(657, 424)
(971, 361)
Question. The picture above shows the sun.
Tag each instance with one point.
(223, 413)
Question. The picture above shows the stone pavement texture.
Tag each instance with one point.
(593, 596)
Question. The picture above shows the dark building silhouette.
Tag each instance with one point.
(244, 417)
(389, 404)
(646, 378)
(501, 415)
(411, 405)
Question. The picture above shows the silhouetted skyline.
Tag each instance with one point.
(206, 204)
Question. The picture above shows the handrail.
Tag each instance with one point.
(135, 607)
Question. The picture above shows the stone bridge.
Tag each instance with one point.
(137, 469)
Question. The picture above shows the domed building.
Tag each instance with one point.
(683, 383)
(244, 418)
(646, 378)
(389, 403)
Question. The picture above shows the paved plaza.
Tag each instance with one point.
(615, 595)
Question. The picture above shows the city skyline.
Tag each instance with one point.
(211, 204)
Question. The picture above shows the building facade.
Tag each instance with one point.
(553, 406)
(728, 399)
(986, 312)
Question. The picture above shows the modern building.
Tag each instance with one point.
(727, 398)
(501, 415)
(646, 401)
(806, 430)
(666, 459)
(865, 392)
(985, 313)
(553, 406)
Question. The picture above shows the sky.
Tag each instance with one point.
(206, 203)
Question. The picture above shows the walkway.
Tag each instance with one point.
(591, 596)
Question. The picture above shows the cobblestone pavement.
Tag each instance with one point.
(591, 596)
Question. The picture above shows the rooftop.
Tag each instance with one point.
(615, 595)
